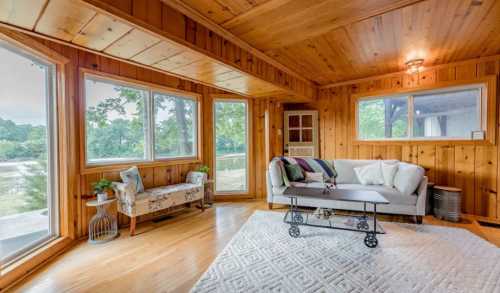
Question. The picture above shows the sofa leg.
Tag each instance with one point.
(270, 205)
(133, 222)
(418, 219)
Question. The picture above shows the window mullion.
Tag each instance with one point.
(151, 125)
(410, 116)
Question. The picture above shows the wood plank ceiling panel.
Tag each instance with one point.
(440, 31)
(63, 19)
(80, 24)
(22, 12)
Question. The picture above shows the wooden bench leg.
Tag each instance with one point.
(133, 222)
(270, 205)
(202, 204)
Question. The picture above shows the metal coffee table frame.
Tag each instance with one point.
(297, 219)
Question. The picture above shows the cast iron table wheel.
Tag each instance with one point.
(294, 231)
(363, 225)
(371, 240)
(297, 218)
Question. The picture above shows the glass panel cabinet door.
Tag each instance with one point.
(301, 133)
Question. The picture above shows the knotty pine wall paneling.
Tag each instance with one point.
(158, 174)
(473, 167)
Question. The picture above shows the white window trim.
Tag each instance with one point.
(410, 98)
(149, 137)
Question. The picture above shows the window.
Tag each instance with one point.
(231, 141)
(116, 121)
(28, 187)
(175, 126)
(129, 123)
(444, 114)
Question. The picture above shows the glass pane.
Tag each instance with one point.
(307, 121)
(175, 126)
(230, 146)
(294, 121)
(115, 121)
(449, 114)
(307, 135)
(25, 188)
(294, 135)
(383, 118)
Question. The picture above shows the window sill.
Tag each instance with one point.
(23, 267)
(140, 164)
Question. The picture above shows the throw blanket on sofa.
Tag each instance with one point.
(312, 165)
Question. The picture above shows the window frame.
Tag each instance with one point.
(150, 160)
(233, 193)
(52, 136)
(487, 110)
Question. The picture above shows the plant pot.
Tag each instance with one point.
(102, 197)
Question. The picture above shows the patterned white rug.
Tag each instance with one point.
(262, 257)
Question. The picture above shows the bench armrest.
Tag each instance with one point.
(124, 192)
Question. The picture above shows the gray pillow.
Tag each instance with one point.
(408, 178)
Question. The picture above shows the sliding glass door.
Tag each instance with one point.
(28, 205)
(231, 146)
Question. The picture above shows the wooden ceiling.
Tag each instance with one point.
(113, 28)
(330, 41)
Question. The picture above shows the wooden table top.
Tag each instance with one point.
(368, 196)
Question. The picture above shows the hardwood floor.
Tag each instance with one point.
(168, 256)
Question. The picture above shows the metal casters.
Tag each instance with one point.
(297, 218)
(294, 231)
(371, 240)
(363, 225)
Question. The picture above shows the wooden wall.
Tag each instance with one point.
(473, 167)
(158, 174)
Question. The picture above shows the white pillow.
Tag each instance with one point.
(408, 178)
(370, 174)
(388, 172)
(315, 177)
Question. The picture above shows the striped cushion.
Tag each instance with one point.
(312, 165)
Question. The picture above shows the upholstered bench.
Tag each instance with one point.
(159, 198)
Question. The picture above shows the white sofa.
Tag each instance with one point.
(413, 205)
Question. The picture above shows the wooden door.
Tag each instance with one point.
(301, 133)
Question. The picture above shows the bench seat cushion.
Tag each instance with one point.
(159, 198)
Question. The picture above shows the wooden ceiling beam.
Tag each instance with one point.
(211, 25)
(260, 69)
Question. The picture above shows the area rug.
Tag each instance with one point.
(262, 257)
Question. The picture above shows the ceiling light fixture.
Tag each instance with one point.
(414, 66)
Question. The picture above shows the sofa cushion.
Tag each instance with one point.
(345, 169)
(391, 194)
(389, 172)
(408, 178)
(313, 165)
(370, 174)
(315, 177)
(294, 172)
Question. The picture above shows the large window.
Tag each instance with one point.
(444, 114)
(28, 192)
(175, 126)
(129, 123)
(231, 146)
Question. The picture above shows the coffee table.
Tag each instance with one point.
(295, 216)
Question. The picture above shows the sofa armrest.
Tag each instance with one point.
(124, 192)
(422, 196)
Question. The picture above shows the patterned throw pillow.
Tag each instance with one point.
(294, 172)
(132, 176)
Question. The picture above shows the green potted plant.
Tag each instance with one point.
(102, 188)
(204, 169)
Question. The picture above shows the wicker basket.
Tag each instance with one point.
(447, 203)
